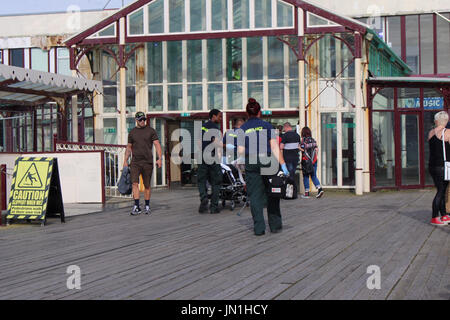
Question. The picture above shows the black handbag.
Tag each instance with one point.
(279, 186)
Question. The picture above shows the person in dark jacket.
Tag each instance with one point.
(290, 145)
(209, 169)
(309, 162)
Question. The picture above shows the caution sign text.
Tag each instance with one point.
(31, 187)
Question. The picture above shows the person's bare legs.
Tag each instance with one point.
(147, 195)
(136, 192)
(136, 197)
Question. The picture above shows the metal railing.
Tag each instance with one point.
(113, 162)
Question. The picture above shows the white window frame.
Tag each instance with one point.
(97, 34)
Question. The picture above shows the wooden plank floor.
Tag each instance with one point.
(175, 253)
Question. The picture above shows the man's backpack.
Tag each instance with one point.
(309, 145)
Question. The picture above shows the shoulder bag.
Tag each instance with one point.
(446, 163)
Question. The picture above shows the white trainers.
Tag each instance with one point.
(136, 211)
(306, 195)
(147, 210)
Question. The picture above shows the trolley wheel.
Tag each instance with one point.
(233, 205)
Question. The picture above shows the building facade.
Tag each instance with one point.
(176, 60)
(36, 42)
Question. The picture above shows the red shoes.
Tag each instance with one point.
(437, 222)
(445, 219)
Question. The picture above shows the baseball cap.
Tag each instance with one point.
(140, 116)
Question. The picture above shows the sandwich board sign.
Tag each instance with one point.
(35, 190)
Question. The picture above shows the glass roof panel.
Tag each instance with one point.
(316, 21)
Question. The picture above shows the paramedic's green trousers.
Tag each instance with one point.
(256, 191)
(213, 174)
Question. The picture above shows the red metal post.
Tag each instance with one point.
(55, 137)
(3, 188)
(103, 176)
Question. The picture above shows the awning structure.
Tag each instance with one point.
(418, 82)
(25, 87)
(441, 85)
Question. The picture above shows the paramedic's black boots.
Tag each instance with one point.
(203, 206)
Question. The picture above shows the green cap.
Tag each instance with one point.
(139, 115)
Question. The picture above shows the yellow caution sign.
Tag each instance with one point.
(35, 190)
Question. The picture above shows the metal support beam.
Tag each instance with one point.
(122, 87)
(359, 129)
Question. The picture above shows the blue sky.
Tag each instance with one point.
(40, 6)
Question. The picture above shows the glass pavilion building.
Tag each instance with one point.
(177, 59)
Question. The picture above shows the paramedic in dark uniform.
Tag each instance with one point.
(254, 129)
(290, 144)
(210, 172)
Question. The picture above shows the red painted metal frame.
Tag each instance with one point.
(345, 25)
(29, 59)
(3, 183)
(167, 153)
(88, 144)
(371, 153)
(397, 112)
(420, 43)
(212, 35)
(435, 56)
(403, 36)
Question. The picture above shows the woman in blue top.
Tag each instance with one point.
(255, 151)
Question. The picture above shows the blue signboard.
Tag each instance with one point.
(430, 103)
(433, 103)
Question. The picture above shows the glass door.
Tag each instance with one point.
(410, 149)
(348, 148)
(159, 174)
(337, 155)
(328, 149)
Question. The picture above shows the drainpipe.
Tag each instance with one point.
(359, 179)
(301, 93)
(74, 113)
(123, 86)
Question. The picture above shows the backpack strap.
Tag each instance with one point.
(443, 146)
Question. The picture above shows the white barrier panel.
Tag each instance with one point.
(80, 174)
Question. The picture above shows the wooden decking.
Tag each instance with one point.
(175, 253)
